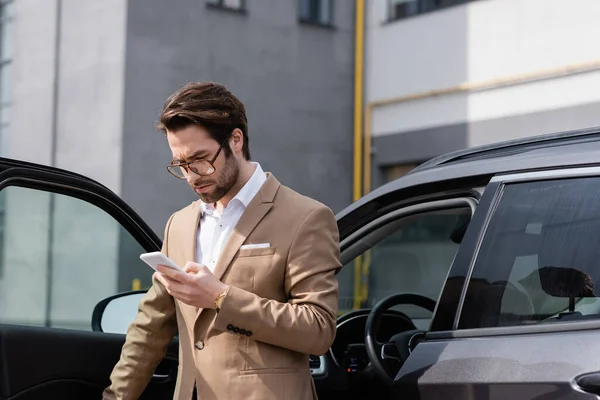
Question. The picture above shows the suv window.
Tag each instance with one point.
(539, 259)
(61, 256)
(412, 254)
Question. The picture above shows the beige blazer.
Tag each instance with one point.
(281, 307)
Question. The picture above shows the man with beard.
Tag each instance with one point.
(259, 292)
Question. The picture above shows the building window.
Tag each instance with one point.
(318, 12)
(235, 5)
(400, 9)
(6, 17)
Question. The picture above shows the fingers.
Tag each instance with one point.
(194, 268)
(171, 273)
(174, 287)
(164, 279)
(191, 267)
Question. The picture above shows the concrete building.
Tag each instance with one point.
(445, 75)
(82, 83)
(88, 79)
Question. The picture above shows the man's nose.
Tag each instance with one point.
(192, 177)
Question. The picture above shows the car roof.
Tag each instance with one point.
(518, 146)
(565, 149)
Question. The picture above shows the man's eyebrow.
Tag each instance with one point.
(193, 156)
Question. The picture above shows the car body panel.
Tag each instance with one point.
(500, 367)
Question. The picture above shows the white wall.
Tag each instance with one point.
(480, 41)
(92, 83)
(89, 141)
(34, 34)
(91, 86)
(415, 55)
(512, 37)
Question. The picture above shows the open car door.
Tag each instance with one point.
(66, 243)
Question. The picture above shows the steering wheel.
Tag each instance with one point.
(400, 345)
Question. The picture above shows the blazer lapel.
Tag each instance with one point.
(254, 213)
(189, 237)
(185, 235)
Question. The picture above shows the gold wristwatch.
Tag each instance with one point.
(219, 300)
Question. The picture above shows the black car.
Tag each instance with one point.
(474, 276)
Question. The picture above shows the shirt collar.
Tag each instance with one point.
(246, 193)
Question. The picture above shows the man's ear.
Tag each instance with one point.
(236, 142)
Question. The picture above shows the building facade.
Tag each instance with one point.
(88, 79)
(445, 75)
(82, 83)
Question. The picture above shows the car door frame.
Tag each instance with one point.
(56, 181)
(384, 206)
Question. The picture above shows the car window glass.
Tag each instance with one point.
(538, 261)
(411, 255)
(60, 257)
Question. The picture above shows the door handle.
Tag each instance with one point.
(159, 378)
(589, 382)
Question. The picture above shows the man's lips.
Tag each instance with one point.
(202, 188)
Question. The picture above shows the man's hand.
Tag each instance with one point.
(197, 287)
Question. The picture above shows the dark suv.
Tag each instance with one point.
(472, 277)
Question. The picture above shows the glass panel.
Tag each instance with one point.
(5, 116)
(235, 4)
(2, 219)
(304, 9)
(325, 12)
(539, 259)
(6, 33)
(57, 269)
(4, 132)
(412, 254)
(403, 8)
(7, 10)
(5, 85)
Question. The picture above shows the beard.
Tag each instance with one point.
(224, 183)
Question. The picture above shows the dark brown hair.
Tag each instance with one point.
(208, 105)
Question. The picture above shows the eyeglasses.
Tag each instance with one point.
(202, 167)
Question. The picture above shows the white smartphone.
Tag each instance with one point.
(155, 258)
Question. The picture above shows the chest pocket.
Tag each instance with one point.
(257, 271)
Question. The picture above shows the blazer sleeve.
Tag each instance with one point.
(147, 340)
(307, 322)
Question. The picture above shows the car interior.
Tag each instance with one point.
(409, 257)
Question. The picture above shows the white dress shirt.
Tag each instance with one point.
(215, 229)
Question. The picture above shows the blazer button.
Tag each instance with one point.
(199, 345)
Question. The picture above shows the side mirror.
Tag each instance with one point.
(114, 314)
